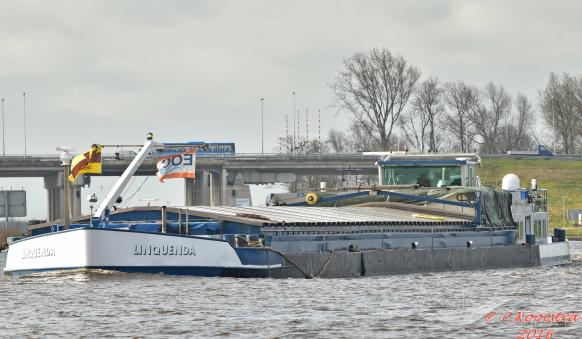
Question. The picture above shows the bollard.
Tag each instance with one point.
(560, 234)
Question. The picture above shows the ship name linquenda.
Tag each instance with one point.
(38, 252)
(164, 250)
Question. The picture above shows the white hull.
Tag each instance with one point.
(126, 251)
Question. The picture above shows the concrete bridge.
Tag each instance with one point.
(220, 180)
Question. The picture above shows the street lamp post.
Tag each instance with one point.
(294, 126)
(262, 130)
(24, 113)
(3, 132)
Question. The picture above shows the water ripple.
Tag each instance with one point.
(89, 303)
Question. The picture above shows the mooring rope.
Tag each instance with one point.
(307, 276)
(325, 265)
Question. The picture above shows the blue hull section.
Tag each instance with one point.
(293, 243)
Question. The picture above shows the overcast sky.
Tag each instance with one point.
(110, 71)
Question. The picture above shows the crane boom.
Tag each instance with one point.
(102, 213)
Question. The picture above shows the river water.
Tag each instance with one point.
(435, 305)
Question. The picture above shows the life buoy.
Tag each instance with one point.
(311, 198)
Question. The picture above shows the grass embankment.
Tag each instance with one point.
(562, 178)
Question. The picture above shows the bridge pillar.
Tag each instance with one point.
(53, 184)
(213, 189)
(223, 187)
(189, 197)
(196, 190)
(202, 191)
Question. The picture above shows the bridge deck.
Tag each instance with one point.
(41, 166)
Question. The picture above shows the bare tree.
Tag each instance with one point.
(356, 139)
(516, 133)
(561, 107)
(316, 146)
(362, 139)
(490, 116)
(461, 100)
(414, 126)
(375, 88)
(285, 145)
(420, 123)
(338, 141)
(302, 146)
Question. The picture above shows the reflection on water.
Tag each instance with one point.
(448, 304)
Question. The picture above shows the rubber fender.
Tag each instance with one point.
(312, 198)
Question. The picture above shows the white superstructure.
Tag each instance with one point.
(529, 208)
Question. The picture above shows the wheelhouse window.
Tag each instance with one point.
(423, 176)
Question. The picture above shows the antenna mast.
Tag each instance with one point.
(286, 131)
(319, 126)
(293, 149)
(299, 126)
(307, 124)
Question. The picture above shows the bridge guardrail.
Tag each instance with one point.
(237, 156)
(284, 156)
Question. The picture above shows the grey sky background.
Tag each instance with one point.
(110, 71)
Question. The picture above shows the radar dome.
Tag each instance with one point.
(510, 182)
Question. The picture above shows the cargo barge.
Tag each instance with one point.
(427, 213)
